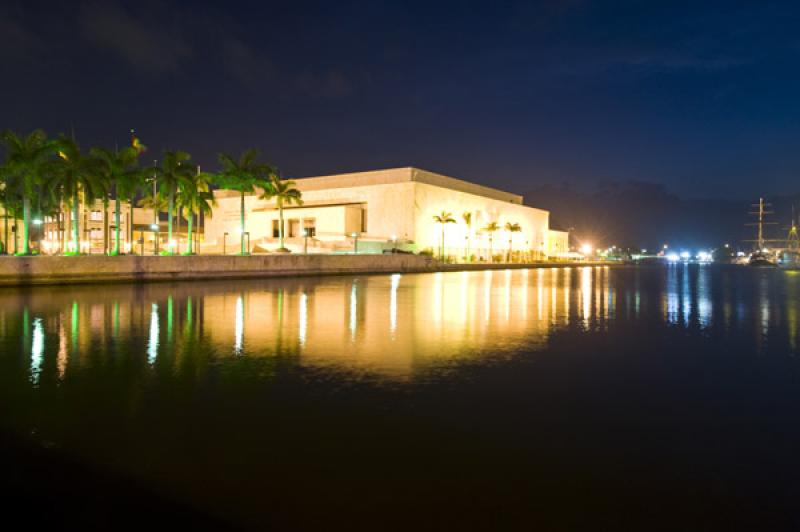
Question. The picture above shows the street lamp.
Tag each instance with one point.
(355, 243)
(156, 236)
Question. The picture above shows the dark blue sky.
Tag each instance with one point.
(702, 97)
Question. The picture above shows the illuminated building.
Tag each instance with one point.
(384, 209)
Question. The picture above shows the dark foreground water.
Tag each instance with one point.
(554, 399)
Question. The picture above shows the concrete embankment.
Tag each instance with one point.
(22, 271)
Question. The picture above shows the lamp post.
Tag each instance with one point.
(355, 243)
(224, 243)
(156, 236)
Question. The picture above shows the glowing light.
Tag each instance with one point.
(586, 249)
(393, 302)
(685, 255)
(238, 342)
(353, 310)
(672, 257)
(154, 227)
(152, 344)
(37, 221)
(303, 319)
(37, 350)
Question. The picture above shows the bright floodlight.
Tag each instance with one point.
(685, 255)
(154, 227)
(672, 257)
(586, 249)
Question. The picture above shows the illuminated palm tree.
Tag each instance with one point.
(443, 218)
(284, 193)
(26, 161)
(119, 168)
(195, 198)
(491, 228)
(511, 228)
(467, 217)
(175, 171)
(244, 175)
(75, 175)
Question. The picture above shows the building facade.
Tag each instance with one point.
(385, 209)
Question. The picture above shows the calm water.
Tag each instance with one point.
(551, 398)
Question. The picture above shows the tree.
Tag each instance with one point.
(491, 228)
(26, 161)
(443, 218)
(511, 228)
(195, 198)
(73, 174)
(467, 217)
(244, 175)
(120, 169)
(284, 193)
(175, 171)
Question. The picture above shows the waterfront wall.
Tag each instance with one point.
(93, 269)
(19, 271)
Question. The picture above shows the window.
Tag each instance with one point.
(276, 228)
(294, 228)
(310, 226)
(96, 216)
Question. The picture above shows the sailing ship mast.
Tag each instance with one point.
(762, 212)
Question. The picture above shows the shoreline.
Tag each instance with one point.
(99, 269)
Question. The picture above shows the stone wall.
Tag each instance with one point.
(20, 271)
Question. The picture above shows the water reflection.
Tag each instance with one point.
(395, 325)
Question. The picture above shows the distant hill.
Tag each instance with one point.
(647, 215)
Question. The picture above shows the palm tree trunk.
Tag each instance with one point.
(117, 207)
(26, 225)
(131, 203)
(189, 223)
(170, 208)
(441, 247)
(75, 240)
(241, 227)
(280, 215)
(178, 235)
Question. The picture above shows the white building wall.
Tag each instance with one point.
(397, 203)
(432, 200)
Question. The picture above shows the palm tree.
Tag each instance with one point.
(26, 161)
(511, 228)
(175, 171)
(72, 173)
(119, 168)
(195, 198)
(467, 217)
(491, 228)
(284, 193)
(244, 175)
(443, 218)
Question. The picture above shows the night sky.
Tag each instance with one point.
(704, 99)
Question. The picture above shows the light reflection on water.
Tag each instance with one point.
(393, 325)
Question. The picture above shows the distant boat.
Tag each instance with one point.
(790, 258)
(762, 258)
